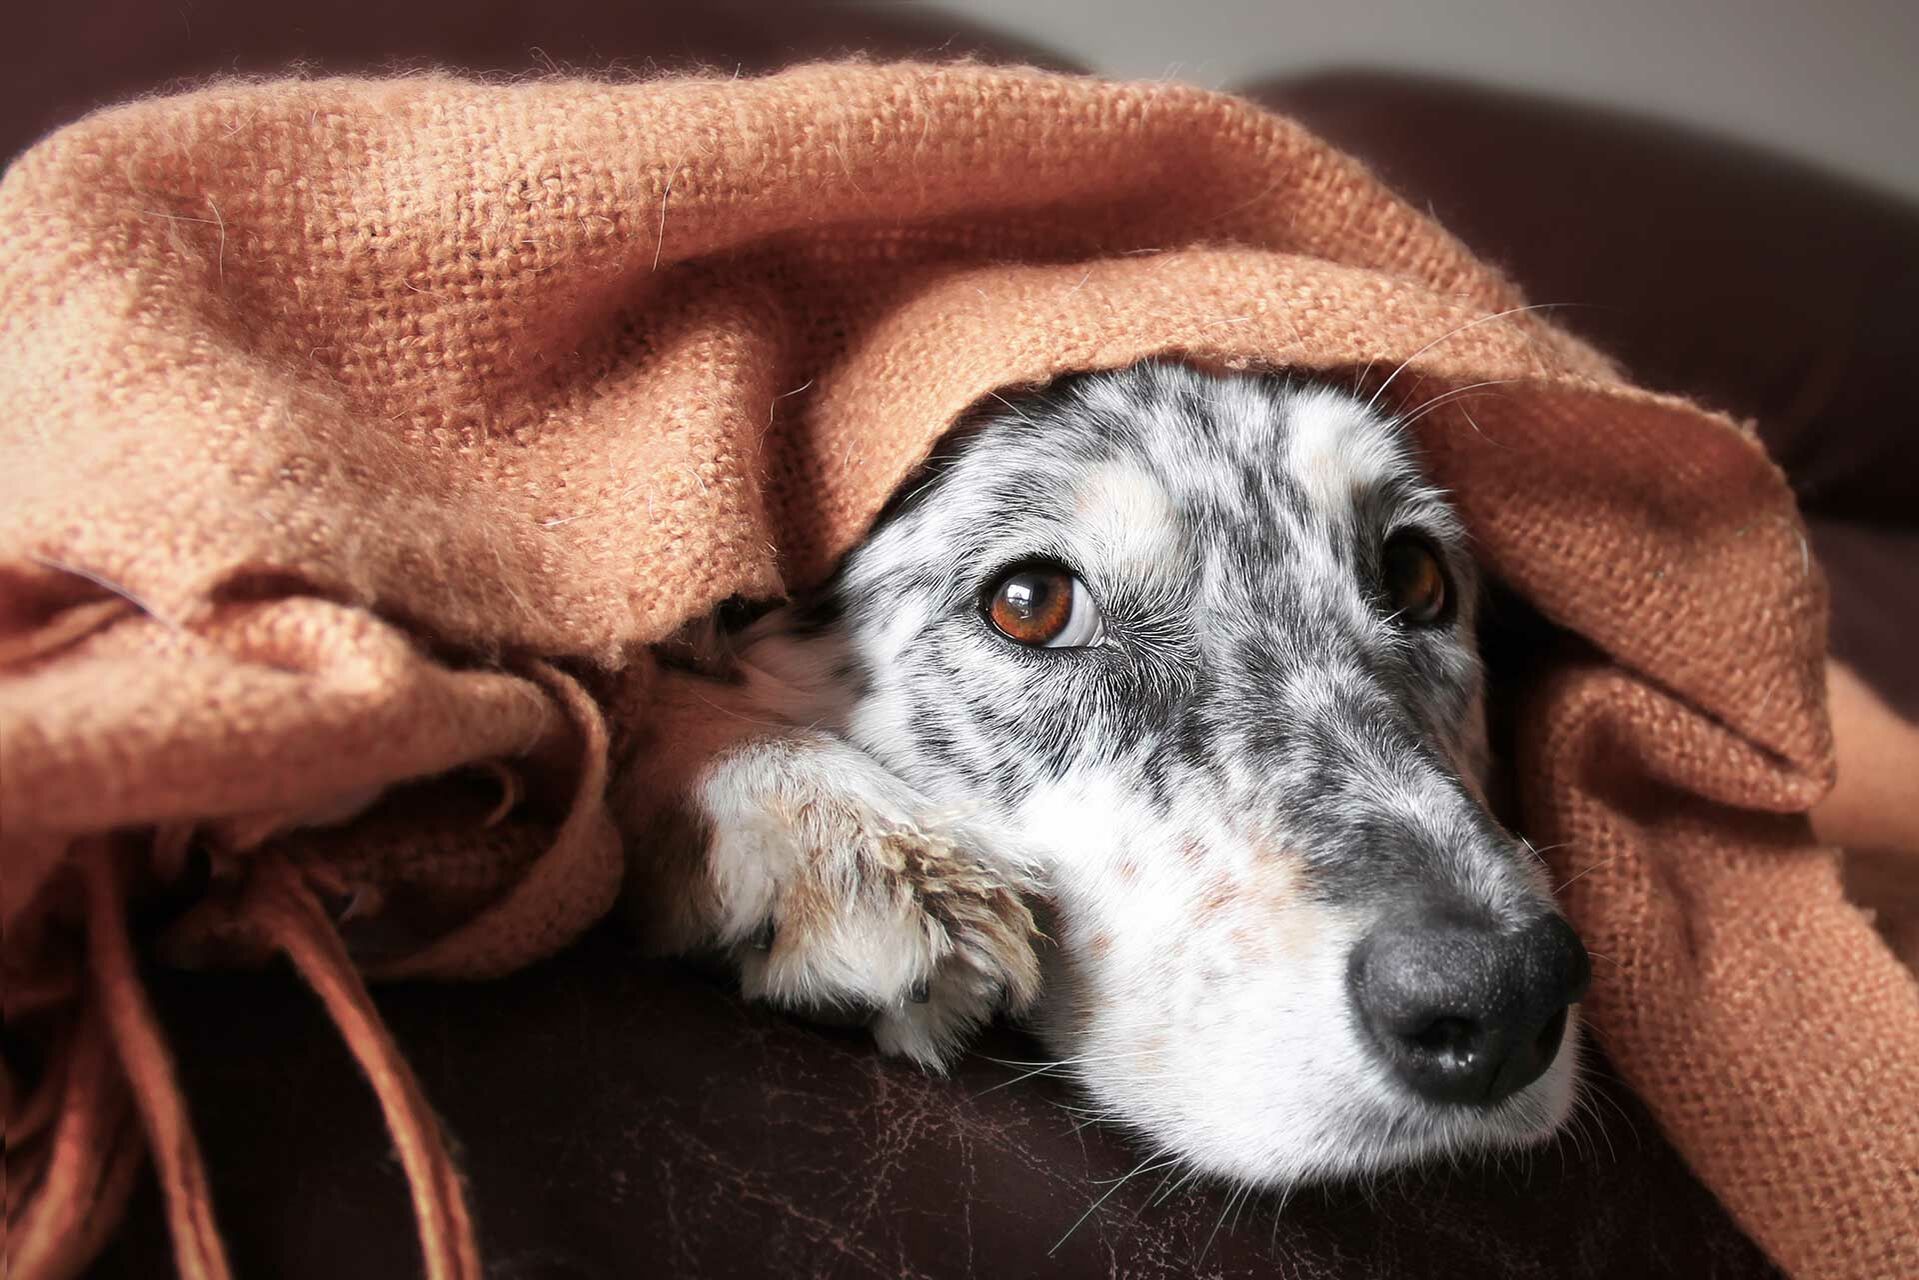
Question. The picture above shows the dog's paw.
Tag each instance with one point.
(838, 901)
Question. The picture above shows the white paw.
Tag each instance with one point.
(837, 904)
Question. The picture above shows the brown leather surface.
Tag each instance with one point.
(626, 1118)
(630, 1118)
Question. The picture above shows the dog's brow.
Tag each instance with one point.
(1126, 518)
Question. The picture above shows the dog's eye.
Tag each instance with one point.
(1045, 606)
(1415, 581)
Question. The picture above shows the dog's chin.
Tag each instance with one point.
(1379, 1127)
(1418, 1132)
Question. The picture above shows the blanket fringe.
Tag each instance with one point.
(289, 916)
(75, 1139)
(65, 1194)
(149, 1070)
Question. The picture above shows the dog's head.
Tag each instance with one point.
(1201, 649)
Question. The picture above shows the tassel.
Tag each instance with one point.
(284, 909)
(84, 1171)
(149, 1070)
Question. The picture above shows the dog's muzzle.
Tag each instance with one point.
(1462, 1010)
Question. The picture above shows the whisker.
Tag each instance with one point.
(1243, 1202)
(1444, 398)
(1284, 1198)
(1453, 333)
(1591, 1110)
(1599, 1095)
(1224, 1209)
(1185, 1178)
(1154, 1197)
(1063, 1062)
(1607, 862)
(1030, 1069)
(1141, 1167)
(1540, 852)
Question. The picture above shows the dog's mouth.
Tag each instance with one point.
(1381, 1127)
(1426, 1034)
(1414, 1130)
(1364, 1130)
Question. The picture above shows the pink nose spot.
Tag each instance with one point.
(1277, 877)
(1214, 905)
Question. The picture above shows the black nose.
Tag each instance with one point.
(1464, 1011)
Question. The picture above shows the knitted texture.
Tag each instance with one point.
(366, 433)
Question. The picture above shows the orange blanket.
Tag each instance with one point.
(362, 433)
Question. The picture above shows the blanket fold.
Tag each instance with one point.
(364, 435)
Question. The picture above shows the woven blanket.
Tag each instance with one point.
(362, 436)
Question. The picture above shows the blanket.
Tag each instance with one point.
(364, 435)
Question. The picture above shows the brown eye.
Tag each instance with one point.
(1415, 581)
(1044, 606)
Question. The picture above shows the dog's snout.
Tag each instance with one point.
(1462, 1010)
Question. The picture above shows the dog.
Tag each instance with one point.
(1150, 713)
